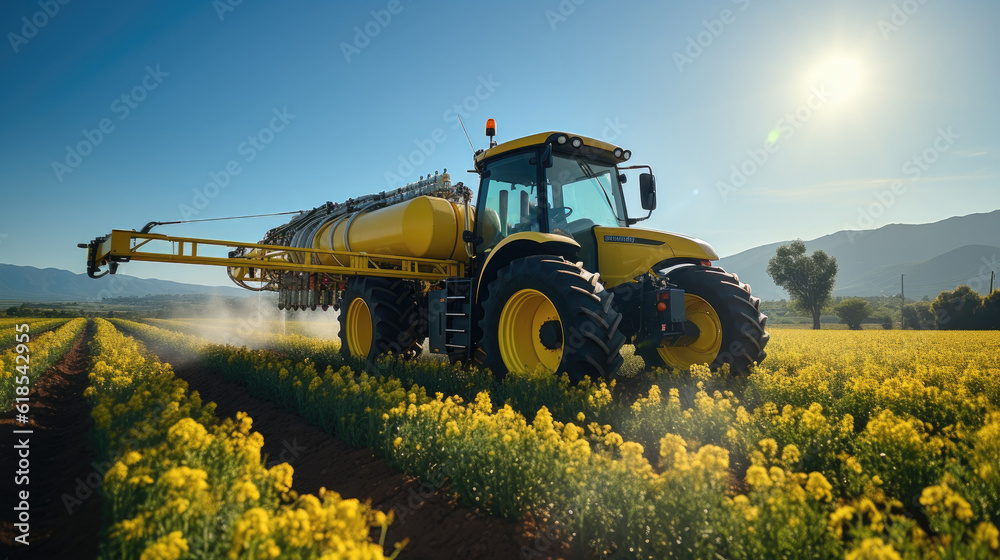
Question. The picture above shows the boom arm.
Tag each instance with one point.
(252, 262)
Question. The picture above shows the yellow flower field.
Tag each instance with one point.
(46, 341)
(37, 326)
(184, 484)
(872, 444)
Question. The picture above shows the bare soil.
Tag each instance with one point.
(65, 508)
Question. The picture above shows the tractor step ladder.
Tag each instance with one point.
(451, 319)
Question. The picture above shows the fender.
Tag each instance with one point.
(523, 244)
(624, 253)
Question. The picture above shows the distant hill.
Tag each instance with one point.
(28, 283)
(930, 277)
(934, 257)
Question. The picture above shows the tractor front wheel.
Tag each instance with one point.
(544, 313)
(728, 321)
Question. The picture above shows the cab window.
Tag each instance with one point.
(510, 204)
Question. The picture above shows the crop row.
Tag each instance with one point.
(11, 321)
(775, 475)
(8, 332)
(31, 356)
(185, 484)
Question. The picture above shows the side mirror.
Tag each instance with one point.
(647, 191)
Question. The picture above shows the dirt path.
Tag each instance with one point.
(65, 509)
(437, 526)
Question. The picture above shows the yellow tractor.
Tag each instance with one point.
(544, 273)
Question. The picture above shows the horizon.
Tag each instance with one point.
(981, 264)
(230, 284)
(763, 123)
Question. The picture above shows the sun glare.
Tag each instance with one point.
(838, 76)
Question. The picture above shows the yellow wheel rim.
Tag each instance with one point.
(521, 346)
(706, 347)
(359, 328)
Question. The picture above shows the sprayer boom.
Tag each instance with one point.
(254, 262)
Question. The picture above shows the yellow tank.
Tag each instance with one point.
(424, 227)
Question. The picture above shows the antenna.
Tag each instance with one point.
(467, 136)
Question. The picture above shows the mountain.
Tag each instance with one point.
(27, 283)
(934, 257)
(930, 277)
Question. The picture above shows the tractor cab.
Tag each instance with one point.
(553, 183)
(551, 208)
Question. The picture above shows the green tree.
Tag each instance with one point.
(918, 315)
(956, 310)
(808, 279)
(884, 314)
(852, 312)
(989, 312)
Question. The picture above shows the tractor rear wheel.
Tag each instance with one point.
(729, 323)
(544, 313)
(380, 316)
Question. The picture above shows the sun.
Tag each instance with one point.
(840, 77)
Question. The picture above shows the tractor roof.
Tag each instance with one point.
(551, 137)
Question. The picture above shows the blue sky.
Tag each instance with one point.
(764, 121)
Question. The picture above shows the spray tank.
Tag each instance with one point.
(423, 219)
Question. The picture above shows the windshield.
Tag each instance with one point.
(583, 194)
